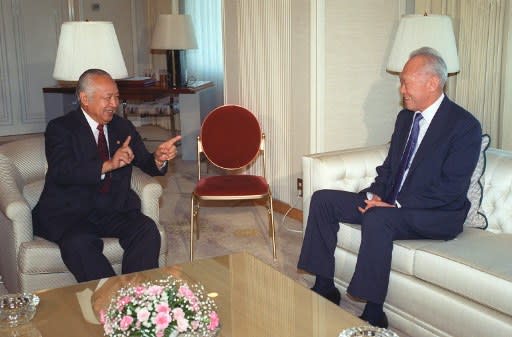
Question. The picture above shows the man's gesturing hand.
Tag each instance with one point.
(166, 151)
(122, 157)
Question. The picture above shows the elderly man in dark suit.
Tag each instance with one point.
(87, 194)
(419, 192)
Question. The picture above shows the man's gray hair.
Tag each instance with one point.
(84, 82)
(435, 62)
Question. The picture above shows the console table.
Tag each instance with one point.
(61, 99)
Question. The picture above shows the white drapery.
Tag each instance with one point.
(206, 62)
(479, 86)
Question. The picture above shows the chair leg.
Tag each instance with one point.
(196, 217)
(272, 226)
(194, 224)
(192, 218)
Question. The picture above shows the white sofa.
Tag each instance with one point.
(458, 288)
(29, 263)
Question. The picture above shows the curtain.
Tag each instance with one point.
(481, 40)
(482, 34)
(206, 62)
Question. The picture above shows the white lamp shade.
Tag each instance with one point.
(174, 32)
(88, 44)
(416, 31)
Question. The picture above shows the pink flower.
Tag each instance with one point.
(162, 320)
(178, 313)
(123, 301)
(103, 316)
(181, 321)
(194, 303)
(143, 315)
(194, 325)
(186, 292)
(214, 321)
(108, 328)
(125, 322)
(162, 307)
(139, 291)
(155, 290)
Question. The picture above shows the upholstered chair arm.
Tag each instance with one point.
(349, 170)
(149, 191)
(15, 220)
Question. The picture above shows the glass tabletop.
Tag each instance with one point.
(253, 299)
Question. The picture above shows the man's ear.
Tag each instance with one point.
(84, 99)
(434, 83)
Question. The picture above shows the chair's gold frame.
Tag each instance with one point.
(195, 204)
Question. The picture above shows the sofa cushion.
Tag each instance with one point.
(476, 217)
(349, 238)
(475, 265)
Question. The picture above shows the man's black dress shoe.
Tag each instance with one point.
(382, 322)
(331, 294)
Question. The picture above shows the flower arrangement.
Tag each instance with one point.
(160, 309)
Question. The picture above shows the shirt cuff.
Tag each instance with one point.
(163, 165)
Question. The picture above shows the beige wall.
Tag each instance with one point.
(358, 99)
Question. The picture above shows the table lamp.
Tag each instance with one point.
(416, 31)
(88, 44)
(174, 33)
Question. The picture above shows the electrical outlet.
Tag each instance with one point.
(299, 186)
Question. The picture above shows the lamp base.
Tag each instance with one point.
(176, 68)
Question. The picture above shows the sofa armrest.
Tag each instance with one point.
(15, 221)
(349, 170)
(149, 192)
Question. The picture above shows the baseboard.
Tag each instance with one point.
(282, 207)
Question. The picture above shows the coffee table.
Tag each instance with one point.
(253, 299)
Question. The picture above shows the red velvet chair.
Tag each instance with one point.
(231, 139)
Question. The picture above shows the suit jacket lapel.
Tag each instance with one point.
(82, 128)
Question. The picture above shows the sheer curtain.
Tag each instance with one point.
(481, 39)
(206, 62)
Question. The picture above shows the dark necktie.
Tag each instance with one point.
(103, 152)
(406, 158)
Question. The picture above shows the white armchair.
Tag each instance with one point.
(29, 263)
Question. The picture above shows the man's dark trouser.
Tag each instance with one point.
(380, 226)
